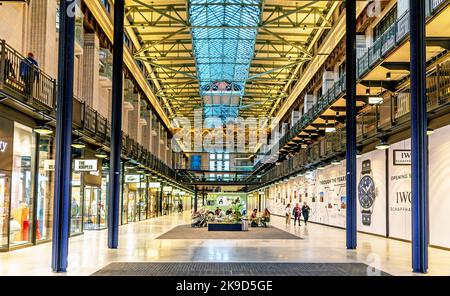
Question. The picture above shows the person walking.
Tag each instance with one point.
(297, 212)
(305, 212)
(29, 73)
(288, 214)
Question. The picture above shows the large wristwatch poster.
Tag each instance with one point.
(371, 192)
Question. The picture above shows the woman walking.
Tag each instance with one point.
(288, 214)
(305, 212)
(297, 213)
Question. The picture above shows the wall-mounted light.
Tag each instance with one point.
(388, 76)
(430, 131)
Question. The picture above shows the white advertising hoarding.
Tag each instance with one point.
(399, 192)
(439, 183)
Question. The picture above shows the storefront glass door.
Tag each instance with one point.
(94, 209)
(132, 203)
(76, 205)
(45, 187)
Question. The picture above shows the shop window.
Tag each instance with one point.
(21, 223)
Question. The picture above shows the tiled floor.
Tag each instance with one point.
(88, 253)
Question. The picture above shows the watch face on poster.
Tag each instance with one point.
(366, 190)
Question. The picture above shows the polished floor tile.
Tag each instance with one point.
(88, 253)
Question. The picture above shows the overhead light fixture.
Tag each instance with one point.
(101, 154)
(43, 130)
(78, 144)
(140, 171)
(368, 91)
(358, 154)
(383, 145)
(321, 167)
(300, 175)
(388, 76)
(335, 162)
(430, 131)
(375, 100)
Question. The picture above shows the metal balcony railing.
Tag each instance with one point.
(21, 80)
(391, 38)
(394, 110)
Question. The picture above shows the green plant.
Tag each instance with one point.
(237, 210)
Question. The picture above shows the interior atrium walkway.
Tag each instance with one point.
(89, 253)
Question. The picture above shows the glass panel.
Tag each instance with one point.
(212, 156)
(219, 156)
(4, 209)
(21, 186)
(131, 206)
(226, 156)
(76, 209)
(212, 165)
(45, 187)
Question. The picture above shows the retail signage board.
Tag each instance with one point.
(402, 157)
(167, 188)
(154, 185)
(132, 178)
(49, 165)
(86, 165)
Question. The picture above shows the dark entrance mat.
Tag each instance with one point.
(236, 269)
(188, 232)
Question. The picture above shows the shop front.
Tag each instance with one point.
(18, 216)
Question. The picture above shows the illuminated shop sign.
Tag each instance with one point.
(3, 145)
(402, 157)
(86, 165)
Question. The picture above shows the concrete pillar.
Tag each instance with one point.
(310, 100)
(43, 35)
(91, 68)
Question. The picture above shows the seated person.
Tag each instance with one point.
(265, 217)
(229, 211)
(217, 211)
(221, 215)
(254, 219)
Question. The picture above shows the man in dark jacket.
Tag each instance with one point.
(305, 212)
(29, 73)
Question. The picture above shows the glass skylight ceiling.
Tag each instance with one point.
(224, 33)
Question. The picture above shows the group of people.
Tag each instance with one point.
(263, 220)
(297, 212)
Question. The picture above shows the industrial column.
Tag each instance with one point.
(116, 127)
(350, 109)
(419, 141)
(63, 161)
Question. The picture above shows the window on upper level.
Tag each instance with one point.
(385, 23)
